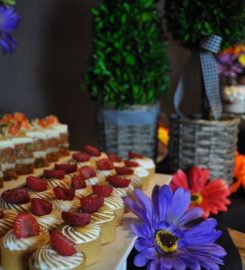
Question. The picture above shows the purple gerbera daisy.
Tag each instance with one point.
(9, 21)
(166, 241)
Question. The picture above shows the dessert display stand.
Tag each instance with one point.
(114, 255)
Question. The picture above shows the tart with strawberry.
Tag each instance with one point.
(90, 176)
(122, 186)
(18, 244)
(112, 202)
(106, 219)
(129, 173)
(7, 218)
(116, 160)
(65, 199)
(45, 214)
(79, 184)
(39, 188)
(139, 171)
(60, 253)
(86, 235)
(94, 152)
(105, 168)
(16, 199)
(143, 161)
(56, 178)
(83, 159)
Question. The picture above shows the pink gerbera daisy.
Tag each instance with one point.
(211, 196)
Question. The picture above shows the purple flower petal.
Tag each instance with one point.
(141, 244)
(190, 215)
(154, 265)
(165, 198)
(140, 260)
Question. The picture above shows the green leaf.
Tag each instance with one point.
(130, 60)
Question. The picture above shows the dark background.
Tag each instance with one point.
(44, 74)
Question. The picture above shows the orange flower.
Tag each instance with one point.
(228, 50)
(239, 172)
(238, 49)
(211, 196)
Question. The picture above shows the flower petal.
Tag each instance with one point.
(198, 178)
(141, 244)
(190, 215)
(179, 179)
(140, 260)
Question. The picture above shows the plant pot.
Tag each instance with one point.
(204, 143)
(234, 98)
(131, 129)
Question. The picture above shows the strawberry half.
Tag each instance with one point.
(86, 172)
(64, 193)
(78, 182)
(36, 184)
(81, 157)
(104, 164)
(1, 214)
(25, 225)
(40, 207)
(57, 174)
(16, 196)
(123, 170)
(118, 181)
(76, 219)
(134, 155)
(130, 163)
(103, 191)
(68, 168)
(114, 158)
(93, 151)
(91, 203)
(62, 244)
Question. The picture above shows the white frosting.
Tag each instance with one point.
(6, 223)
(25, 207)
(105, 173)
(10, 242)
(52, 182)
(81, 235)
(39, 154)
(119, 164)
(6, 144)
(52, 150)
(8, 166)
(20, 140)
(145, 162)
(46, 194)
(93, 181)
(123, 192)
(46, 258)
(37, 134)
(64, 205)
(62, 128)
(100, 217)
(82, 192)
(51, 133)
(25, 161)
(113, 202)
(50, 221)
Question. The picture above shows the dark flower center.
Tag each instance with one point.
(196, 198)
(166, 241)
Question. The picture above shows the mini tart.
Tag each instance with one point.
(46, 258)
(116, 205)
(87, 240)
(46, 194)
(144, 175)
(147, 163)
(50, 221)
(65, 205)
(81, 192)
(123, 191)
(20, 208)
(7, 222)
(101, 156)
(107, 222)
(19, 250)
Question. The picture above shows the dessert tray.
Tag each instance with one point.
(114, 254)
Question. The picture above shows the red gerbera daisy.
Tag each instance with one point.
(211, 196)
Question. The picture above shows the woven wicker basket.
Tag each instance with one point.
(131, 129)
(209, 144)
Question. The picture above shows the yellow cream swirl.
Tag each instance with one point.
(64, 205)
(123, 192)
(113, 202)
(25, 207)
(47, 194)
(50, 221)
(80, 235)
(102, 216)
(10, 242)
(6, 223)
(47, 258)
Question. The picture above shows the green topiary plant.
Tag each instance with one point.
(129, 63)
(191, 21)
